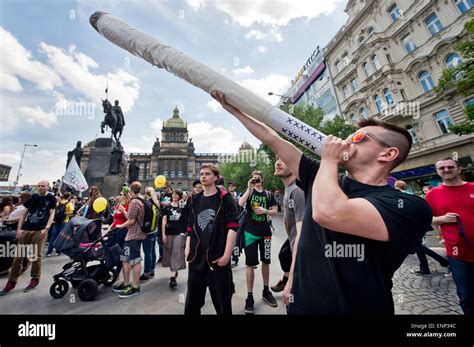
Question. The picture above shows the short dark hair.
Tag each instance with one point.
(66, 195)
(396, 136)
(449, 158)
(231, 184)
(179, 192)
(136, 187)
(196, 182)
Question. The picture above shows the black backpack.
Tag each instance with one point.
(149, 216)
(60, 213)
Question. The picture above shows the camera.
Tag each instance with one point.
(255, 180)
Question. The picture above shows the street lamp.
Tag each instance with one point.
(285, 98)
(21, 162)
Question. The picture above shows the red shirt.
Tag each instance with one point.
(119, 217)
(460, 200)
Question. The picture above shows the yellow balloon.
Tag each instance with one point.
(160, 181)
(99, 204)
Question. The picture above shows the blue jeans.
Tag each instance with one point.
(150, 253)
(463, 276)
(55, 230)
(159, 240)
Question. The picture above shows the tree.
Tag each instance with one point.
(461, 77)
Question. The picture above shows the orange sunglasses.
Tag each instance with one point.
(359, 136)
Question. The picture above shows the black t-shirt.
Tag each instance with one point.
(176, 220)
(328, 282)
(206, 212)
(257, 224)
(38, 211)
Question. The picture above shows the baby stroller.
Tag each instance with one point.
(82, 240)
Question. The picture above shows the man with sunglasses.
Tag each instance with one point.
(33, 226)
(453, 209)
(357, 211)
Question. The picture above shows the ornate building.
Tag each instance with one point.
(385, 62)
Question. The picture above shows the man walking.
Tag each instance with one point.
(33, 226)
(452, 203)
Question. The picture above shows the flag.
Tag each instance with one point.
(74, 177)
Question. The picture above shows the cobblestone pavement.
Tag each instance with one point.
(413, 294)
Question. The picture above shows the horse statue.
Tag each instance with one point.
(113, 120)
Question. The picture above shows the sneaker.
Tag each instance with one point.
(173, 283)
(129, 292)
(32, 285)
(144, 277)
(48, 255)
(10, 285)
(421, 273)
(121, 287)
(269, 299)
(249, 309)
(278, 287)
(151, 275)
(160, 260)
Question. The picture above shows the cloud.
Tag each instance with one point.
(243, 71)
(18, 62)
(262, 49)
(247, 12)
(272, 83)
(74, 67)
(9, 119)
(214, 105)
(258, 35)
(38, 164)
(157, 124)
(37, 115)
(210, 139)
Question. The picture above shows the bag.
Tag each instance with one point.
(60, 213)
(149, 216)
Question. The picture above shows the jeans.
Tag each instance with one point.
(55, 230)
(159, 240)
(463, 276)
(150, 253)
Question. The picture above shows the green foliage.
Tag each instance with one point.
(461, 77)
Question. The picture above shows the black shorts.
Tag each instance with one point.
(131, 252)
(251, 251)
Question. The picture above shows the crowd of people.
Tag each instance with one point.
(206, 230)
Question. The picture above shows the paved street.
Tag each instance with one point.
(412, 294)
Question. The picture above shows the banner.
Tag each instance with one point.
(74, 177)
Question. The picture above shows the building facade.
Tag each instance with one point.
(313, 86)
(4, 172)
(385, 62)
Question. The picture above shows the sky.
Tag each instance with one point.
(54, 69)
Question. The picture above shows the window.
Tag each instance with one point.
(394, 12)
(426, 81)
(167, 137)
(452, 60)
(412, 132)
(355, 84)
(181, 137)
(408, 43)
(370, 30)
(345, 60)
(353, 118)
(433, 23)
(345, 91)
(469, 102)
(375, 62)
(444, 121)
(378, 103)
(367, 70)
(464, 5)
(180, 174)
(361, 39)
(363, 113)
(173, 174)
(389, 58)
(339, 66)
(173, 137)
(387, 93)
(402, 93)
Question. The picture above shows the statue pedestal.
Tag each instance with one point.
(98, 166)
